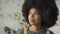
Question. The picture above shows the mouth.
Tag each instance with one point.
(31, 20)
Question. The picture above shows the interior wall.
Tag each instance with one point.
(11, 15)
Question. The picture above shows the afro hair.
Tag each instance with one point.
(47, 8)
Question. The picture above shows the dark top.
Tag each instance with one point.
(31, 32)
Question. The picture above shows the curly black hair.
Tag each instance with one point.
(47, 8)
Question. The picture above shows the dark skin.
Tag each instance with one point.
(34, 18)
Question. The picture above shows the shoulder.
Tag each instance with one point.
(49, 31)
(21, 31)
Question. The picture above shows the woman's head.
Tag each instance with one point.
(40, 12)
(34, 16)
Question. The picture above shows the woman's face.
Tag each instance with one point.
(34, 17)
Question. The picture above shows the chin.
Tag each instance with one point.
(33, 24)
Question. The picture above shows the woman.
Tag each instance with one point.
(40, 14)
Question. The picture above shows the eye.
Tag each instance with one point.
(37, 13)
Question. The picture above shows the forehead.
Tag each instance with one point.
(33, 10)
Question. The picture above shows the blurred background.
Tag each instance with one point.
(11, 19)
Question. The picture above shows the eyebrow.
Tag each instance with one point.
(36, 11)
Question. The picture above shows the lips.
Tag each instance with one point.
(32, 20)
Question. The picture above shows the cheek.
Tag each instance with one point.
(37, 18)
(28, 17)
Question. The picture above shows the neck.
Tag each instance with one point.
(36, 28)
